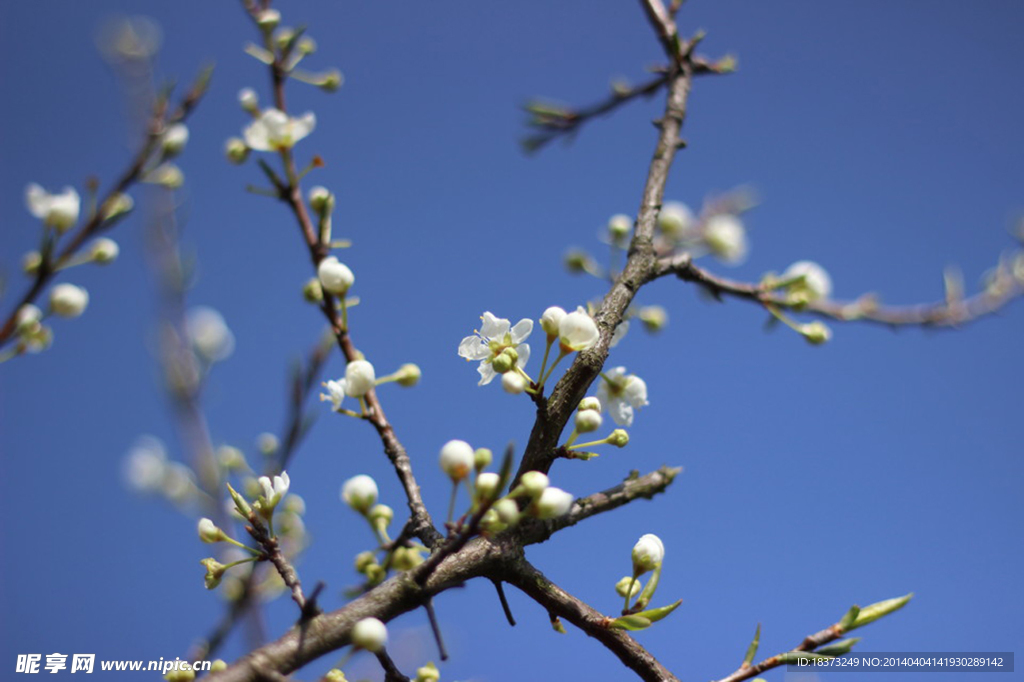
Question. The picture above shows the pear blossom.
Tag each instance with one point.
(208, 531)
(550, 320)
(209, 333)
(648, 553)
(59, 211)
(577, 331)
(274, 490)
(335, 393)
(534, 482)
(457, 459)
(620, 393)
(588, 420)
(335, 277)
(67, 300)
(275, 131)
(104, 251)
(495, 336)
(726, 237)
(553, 502)
(370, 634)
(816, 283)
(360, 493)
(359, 378)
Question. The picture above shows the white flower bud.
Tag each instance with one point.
(59, 211)
(104, 251)
(628, 584)
(726, 238)
(619, 226)
(209, 333)
(67, 300)
(370, 634)
(116, 206)
(676, 221)
(267, 444)
(816, 283)
(359, 378)
(174, 139)
(312, 291)
(513, 383)
(166, 175)
(534, 482)
(577, 331)
(306, 45)
(248, 99)
(550, 320)
(30, 262)
(321, 200)
(209, 532)
(408, 375)
(553, 502)
(381, 513)
(482, 458)
(236, 150)
(653, 317)
(331, 80)
(588, 420)
(487, 485)
(619, 438)
(816, 333)
(360, 493)
(268, 18)
(507, 510)
(28, 318)
(274, 490)
(590, 403)
(335, 277)
(648, 553)
(457, 458)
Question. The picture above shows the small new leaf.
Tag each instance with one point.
(752, 649)
(631, 622)
(870, 614)
(850, 618)
(839, 648)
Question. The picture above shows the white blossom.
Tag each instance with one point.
(208, 531)
(577, 331)
(274, 490)
(494, 336)
(726, 238)
(648, 553)
(456, 459)
(67, 300)
(335, 276)
(370, 634)
(104, 251)
(248, 99)
(534, 482)
(359, 379)
(360, 493)
(146, 465)
(59, 211)
(553, 502)
(816, 284)
(676, 221)
(588, 420)
(550, 320)
(620, 393)
(209, 333)
(175, 138)
(487, 485)
(274, 130)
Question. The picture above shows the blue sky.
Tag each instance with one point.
(884, 141)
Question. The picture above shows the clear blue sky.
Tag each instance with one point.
(885, 141)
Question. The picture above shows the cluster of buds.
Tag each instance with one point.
(360, 378)
(360, 493)
(648, 556)
(533, 497)
(803, 283)
(588, 419)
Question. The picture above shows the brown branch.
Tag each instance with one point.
(273, 554)
(553, 414)
(560, 603)
(951, 313)
(810, 643)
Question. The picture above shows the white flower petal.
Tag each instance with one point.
(621, 412)
(473, 348)
(524, 354)
(493, 327)
(486, 373)
(521, 330)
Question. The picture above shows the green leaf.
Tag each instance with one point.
(839, 648)
(850, 618)
(752, 649)
(870, 614)
(631, 622)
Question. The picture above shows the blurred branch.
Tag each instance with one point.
(304, 378)
(97, 222)
(1006, 285)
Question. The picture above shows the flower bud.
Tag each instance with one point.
(30, 262)
(248, 99)
(816, 333)
(284, 36)
(406, 558)
(104, 251)
(209, 532)
(482, 457)
(456, 459)
(534, 483)
(380, 515)
(268, 444)
(370, 634)
(653, 317)
(487, 486)
(214, 572)
(364, 560)
(816, 283)
(675, 220)
(590, 403)
(335, 675)
(312, 291)
(166, 175)
(321, 200)
(67, 300)
(335, 276)
(507, 510)
(359, 378)
(550, 320)
(627, 584)
(236, 150)
(726, 238)
(553, 502)
(174, 139)
(619, 226)
(577, 331)
(360, 493)
(331, 80)
(428, 673)
(619, 438)
(116, 206)
(306, 45)
(648, 553)
(268, 19)
(274, 490)
(588, 420)
(513, 383)
(578, 261)
(408, 375)
(180, 675)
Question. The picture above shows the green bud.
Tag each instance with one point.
(306, 45)
(507, 511)
(380, 515)
(376, 574)
(619, 438)
(578, 261)
(428, 673)
(335, 675)
(331, 80)
(839, 648)
(590, 403)
(816, 333)
(214, 572)
(236, 150)
(629, 584)
(408, 375)
(364, 560)
(179, 675)
(482, 458)
(653, 317)
(870, 614)
(406, 558)
(312, 291)
(30, 262)
(284, 36)
(116, 206)
(240, 504)
(503, 362)
(491, 522)
(218, 665)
